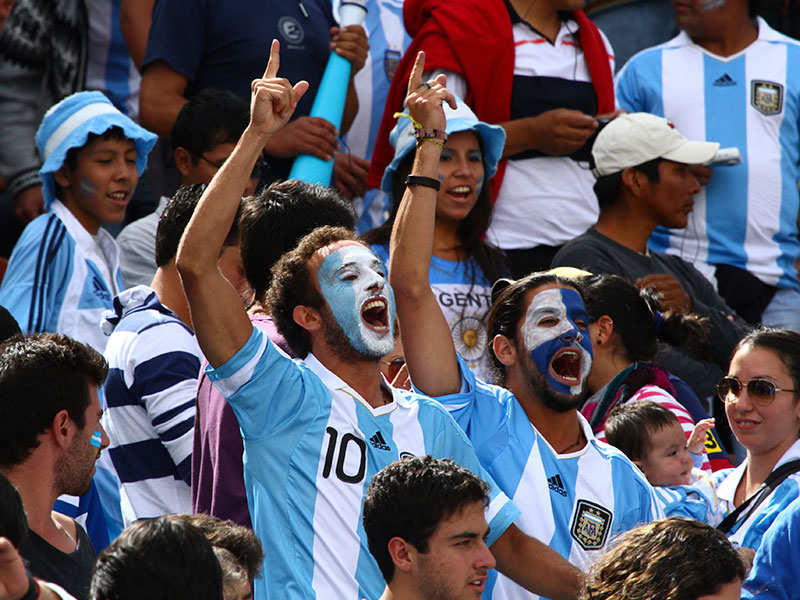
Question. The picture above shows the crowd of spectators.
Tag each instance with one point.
(538, 336)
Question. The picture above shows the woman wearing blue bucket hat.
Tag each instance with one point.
(463, 267)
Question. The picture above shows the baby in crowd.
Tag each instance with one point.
(651, 436)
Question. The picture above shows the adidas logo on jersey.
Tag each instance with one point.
(377, 441)
(724, 81)
(99, 289)
(556, 485)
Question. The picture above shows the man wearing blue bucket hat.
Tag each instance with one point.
(64, 271)
(463, 267)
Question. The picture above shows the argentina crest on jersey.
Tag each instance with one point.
(391, 60)
(590, 525)
(766, 96)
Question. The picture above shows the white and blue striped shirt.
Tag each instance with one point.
(575, 502)
(311, 447)
(57, 281)
(388, 41)
(697, 502)
(150, 396)
(747, 214)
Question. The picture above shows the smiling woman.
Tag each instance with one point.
(463, 266)
(762, 403)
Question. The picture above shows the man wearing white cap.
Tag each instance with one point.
(643, 181)
(730, 77)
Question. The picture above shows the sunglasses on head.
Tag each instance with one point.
(760, 391)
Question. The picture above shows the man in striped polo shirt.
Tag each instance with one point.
(154, 363)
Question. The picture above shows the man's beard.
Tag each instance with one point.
(74, 468)
(539, 385)
(338, 341)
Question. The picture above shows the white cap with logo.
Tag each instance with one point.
(635, 138)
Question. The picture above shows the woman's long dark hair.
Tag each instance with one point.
(471, 229)
(637, 318)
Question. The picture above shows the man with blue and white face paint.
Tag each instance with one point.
(316, 430)
(555, 336)
(353, 283)
(575, 492)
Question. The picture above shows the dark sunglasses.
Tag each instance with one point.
(760, 391)
(394, 366)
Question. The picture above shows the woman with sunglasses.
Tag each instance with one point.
(762, 402)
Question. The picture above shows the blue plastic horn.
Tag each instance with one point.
(330, 100)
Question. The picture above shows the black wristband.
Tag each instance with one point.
(423, 181)
(33, 589)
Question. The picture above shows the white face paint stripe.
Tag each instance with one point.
(545, 303)
(68, 126)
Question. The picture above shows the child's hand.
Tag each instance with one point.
(698, 438)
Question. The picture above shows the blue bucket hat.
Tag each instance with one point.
(67, 125)
(462, 118)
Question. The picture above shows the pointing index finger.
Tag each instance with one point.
(274, 60)
(415, 79)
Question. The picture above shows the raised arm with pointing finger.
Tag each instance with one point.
(220, 321)
(430, 355)
(314, 430)
(575, 493)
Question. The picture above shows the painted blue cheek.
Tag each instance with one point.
(97, 439)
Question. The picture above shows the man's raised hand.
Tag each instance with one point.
(273, 99)
(424, 100)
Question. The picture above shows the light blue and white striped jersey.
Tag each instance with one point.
(150, 396)
(465, 297)
(703, 507)
(698, 500)
(57, 281)
(777, 562)
(109, 67)
(747, 214)
(749, 531)
(311, 447)
(575, 502)
(388, 41)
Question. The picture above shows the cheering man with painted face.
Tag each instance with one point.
(316, 430)
(575, 492)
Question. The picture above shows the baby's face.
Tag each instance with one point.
(667, 462)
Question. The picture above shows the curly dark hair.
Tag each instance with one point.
(240, 541)
(274, 220)
(41, 375)
(292, 285)
(163, 558)
(670, 559)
